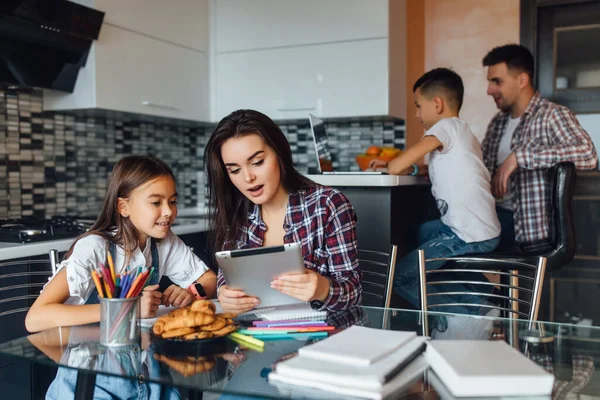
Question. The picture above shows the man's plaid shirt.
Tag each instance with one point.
(547, 135)
(323, 221)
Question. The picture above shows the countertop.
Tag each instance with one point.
(183, 225)
(367, 180)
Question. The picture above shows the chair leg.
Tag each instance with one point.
(513, 293)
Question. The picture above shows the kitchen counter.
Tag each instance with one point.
(8, 251)
(367, 180)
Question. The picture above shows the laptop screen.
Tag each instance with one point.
(325, 162)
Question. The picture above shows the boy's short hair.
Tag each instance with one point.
(444, 83)
(515, 56)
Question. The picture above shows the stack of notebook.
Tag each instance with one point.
(361, 362)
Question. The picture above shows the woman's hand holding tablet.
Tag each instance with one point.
(308, 286)
(235, 300)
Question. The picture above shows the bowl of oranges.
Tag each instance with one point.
(386, 154)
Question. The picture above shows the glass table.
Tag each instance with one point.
(229, 370)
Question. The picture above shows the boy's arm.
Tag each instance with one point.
(402, 165)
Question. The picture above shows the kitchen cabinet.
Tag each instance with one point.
(184, 22)
(329, 58)
(137, 72)
(251, 24)
(290, 82)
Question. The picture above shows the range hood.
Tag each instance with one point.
(44, 43)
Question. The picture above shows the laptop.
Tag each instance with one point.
(322, 149)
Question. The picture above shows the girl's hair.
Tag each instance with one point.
(128, 174)
(228, 207)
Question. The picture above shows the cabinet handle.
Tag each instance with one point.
(158, 105)
(297, 109)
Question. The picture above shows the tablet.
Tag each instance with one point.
(252, 271)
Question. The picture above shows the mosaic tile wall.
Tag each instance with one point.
(55, 163)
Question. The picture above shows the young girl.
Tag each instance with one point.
(135, 228)
(257, 199)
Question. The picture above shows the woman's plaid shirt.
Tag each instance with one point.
(323, 221)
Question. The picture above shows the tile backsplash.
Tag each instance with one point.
(57, 163)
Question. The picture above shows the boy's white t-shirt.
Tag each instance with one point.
(461, 182)
(176, 260)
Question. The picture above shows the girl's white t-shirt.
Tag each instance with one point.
(176, 260)
(461, 182)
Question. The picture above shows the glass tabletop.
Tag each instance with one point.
(226, 369)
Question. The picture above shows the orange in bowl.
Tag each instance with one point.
(363, 160)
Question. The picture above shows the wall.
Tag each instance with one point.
(55, 163)
(458, 34)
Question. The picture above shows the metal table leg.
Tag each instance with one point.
(84, 389)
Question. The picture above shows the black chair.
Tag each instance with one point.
(560, 248)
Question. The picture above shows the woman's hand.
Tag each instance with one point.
(308, 286)
(376, 163)
(150, 301)
(236, 301)
(176, 296)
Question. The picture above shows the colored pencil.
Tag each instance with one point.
(275, 324)
(96, 279)
(248, 339)
(301, 335)
(112, 269)
(132, 289)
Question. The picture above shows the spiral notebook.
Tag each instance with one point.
(289, 312)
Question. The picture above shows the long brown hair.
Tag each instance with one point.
(128, 173)
(228, 207)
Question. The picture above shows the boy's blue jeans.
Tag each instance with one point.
(439, 241)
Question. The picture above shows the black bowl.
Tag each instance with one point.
(175, 347)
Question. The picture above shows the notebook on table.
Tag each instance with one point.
(289, 312)
(296, 384)
(357, 346)
(480, 368)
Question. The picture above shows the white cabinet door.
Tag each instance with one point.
(184, 22)
(135, 73)
(258, 24)
(328, 80)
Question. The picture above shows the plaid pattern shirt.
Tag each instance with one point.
(546, 135)
(323, 221)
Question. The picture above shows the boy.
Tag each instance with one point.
(460, 185)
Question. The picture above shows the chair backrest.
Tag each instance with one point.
(562, 182)
(519, 291)
(21, 281)
(378, 276)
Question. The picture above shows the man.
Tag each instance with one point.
(528, 136)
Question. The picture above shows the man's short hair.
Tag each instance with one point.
(515, 56)
(444, 83)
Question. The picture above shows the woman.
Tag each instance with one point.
(258, 199)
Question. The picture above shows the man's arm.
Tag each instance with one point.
(572, 143)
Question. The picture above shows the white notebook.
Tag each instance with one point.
(289, 312)
(470, 368)
(357, 345)
(408, 375)
(373, 377)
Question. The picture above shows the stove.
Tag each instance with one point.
(30, 229)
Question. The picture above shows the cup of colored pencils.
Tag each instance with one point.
(119, 321)
(119, 303)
